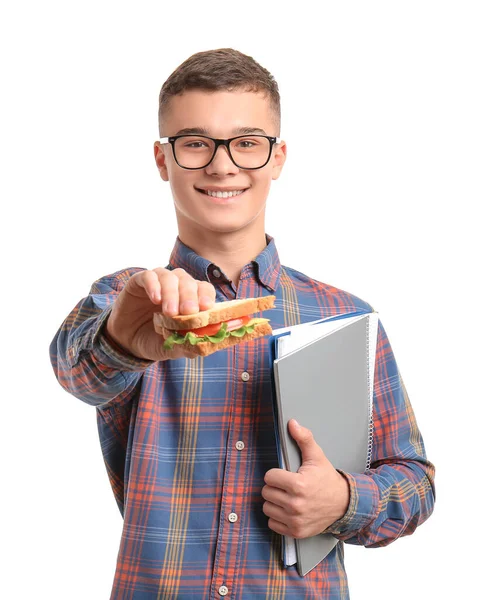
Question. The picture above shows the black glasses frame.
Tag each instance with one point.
(220, 142)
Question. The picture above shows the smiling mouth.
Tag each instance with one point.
(229, 194)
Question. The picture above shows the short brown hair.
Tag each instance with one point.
(223, 69)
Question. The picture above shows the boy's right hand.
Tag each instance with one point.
(130, 324)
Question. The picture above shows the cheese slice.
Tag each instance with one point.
(257, 321)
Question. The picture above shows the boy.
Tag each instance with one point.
(188, 441)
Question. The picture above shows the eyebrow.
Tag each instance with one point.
(236, 131)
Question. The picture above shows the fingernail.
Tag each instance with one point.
(189, 307)
(170, 307)
(297, 425)
(206, 301)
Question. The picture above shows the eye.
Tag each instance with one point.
(247, 144)
(195, 145)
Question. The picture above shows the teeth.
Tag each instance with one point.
(225, 194)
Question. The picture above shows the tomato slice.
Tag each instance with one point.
(215, 327)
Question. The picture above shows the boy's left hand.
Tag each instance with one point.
(305, 503)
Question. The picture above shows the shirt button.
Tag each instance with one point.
(245, 376)
(239, 445)
(232, 517)
(217, 274)
(223, 591)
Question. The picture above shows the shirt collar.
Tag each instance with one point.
(267, 266)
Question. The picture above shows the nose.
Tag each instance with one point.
(221, 164)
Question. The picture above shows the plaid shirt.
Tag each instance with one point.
(186, 444)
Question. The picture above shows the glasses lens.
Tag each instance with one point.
(250, 152)
(194, 152)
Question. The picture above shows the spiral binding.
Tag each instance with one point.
(370, 407)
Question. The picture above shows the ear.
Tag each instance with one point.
(279, 158)
(161, 160)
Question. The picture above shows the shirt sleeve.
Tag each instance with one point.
(397, 493)
(85, 362)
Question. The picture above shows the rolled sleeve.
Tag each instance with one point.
(110, 354)
(363, 504)
(86, 362)
(397, 493)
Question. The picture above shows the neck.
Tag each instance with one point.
(230, 251)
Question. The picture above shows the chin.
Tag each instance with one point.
(216, 222)
(226, 227)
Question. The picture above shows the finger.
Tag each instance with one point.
(207, 295)
(276, 496)
(275, 512)
(188, 295)
(310, 450)
(284, 480)
(148, 281)
(169, 291)
(278, 527)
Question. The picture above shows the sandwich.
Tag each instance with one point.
(225, 324)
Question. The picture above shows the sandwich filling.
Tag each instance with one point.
(215, 333)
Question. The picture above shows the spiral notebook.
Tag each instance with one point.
(323, 375)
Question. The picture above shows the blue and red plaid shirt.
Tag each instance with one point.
(187, 443)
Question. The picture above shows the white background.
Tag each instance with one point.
(383, 114)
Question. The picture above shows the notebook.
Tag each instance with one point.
(323, 375)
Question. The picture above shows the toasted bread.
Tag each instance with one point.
(206, 348)
(220, 312)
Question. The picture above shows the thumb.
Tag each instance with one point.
(310, 450)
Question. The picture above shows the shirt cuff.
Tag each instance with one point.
(363, 505)
(107, 352)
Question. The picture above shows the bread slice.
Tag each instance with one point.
(206, 348)
(220, 312)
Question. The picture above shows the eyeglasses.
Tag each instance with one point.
(198, 151)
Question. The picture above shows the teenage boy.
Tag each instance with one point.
(188, 442)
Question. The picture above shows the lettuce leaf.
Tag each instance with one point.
(220, 336)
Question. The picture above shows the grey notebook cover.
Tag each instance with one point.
(325, 386)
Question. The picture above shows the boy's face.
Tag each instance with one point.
(220, 113)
